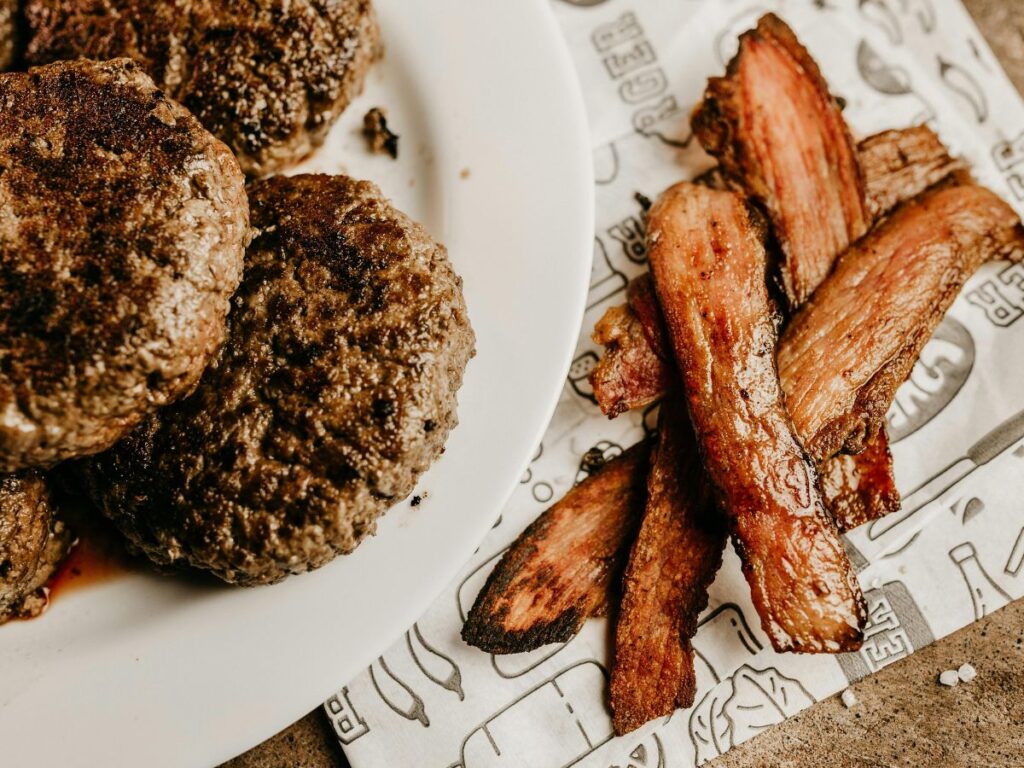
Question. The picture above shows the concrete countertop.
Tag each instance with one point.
(904, 717)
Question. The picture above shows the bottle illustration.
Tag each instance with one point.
(986, 595)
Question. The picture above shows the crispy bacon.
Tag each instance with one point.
(859, 489)
(778, 134)
(673, 562)
(634, 370)
(899, 165)
(710, 269)
(847, 350)
(560, 570)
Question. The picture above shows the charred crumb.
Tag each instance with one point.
(643, 201)
(416, 501)
(380, 138)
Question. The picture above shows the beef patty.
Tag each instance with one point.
(32, 544)
(335, 390)
(122, 231)
(8, 12)
(267, 77)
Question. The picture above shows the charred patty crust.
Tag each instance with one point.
(267, 77)
(122, 231)
(335, 390)
(32, 544)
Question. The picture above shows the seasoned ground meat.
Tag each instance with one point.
(8, 9)
(335, 390)
(268, 77)
(122, 231)
(32, 544)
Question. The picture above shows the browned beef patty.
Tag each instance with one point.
(267, 77)
(8, 12)
(335, 390)
(122, 231)
(32, 543)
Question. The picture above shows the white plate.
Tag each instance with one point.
(495, 160)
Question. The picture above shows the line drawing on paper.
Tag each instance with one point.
(579, 375)
(1015, 562)
(397, 694)
(347, 723)
(741, 706)
(568, 699)
(606, 280)
(964, 85)
(894, 533)
(986, 595)
(437, 667)
(878, 13)
(896, 628)
(606, 164)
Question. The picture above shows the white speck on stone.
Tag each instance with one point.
(949, 678)
(849, 698)
(966, 673)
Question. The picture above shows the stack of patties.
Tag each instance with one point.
(252, 436)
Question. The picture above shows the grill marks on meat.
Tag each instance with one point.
(847, 351)
(674, 559)
(780, 136)
(710, 269)
(859, 489)
(560, 571)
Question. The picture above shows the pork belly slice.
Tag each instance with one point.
(899, 165)
(673, 561)
(710, 270)
(635, 371)
(859, 489)
(847, 350)
(780, 136)
(560, 570)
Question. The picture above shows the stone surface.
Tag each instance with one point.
(903, 716)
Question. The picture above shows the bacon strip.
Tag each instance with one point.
(899, 165)
(845, 353)
(673, 562)
(710, 269)
(559, 572)
(778, 134)
(859, 489)
(635, 371)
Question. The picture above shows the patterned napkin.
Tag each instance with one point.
(955, 554)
